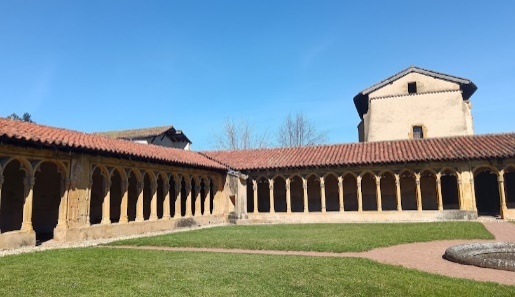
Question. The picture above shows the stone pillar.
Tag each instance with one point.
(188, 199)
(62, 221)
(125, 200)
(473, 190)
(166, 201)
(271, 186)
(305, 187)
(460, 193)
(340, 193)
(360, 195)
(139, 203)
(153, 202)
(288, 196)
(88, 201)
(207, 201)
(198, 200)
(439, 191)
(322, 194)
(502, 193)
(178, 189)
(106, 203)
(28, 182)
(378, 194)
(398, 192)
(255, 191)
(419, 192)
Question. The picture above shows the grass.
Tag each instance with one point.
(113, 272)
(316, 237)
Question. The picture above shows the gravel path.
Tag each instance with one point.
(423, 256)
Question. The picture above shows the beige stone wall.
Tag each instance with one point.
(437, 106)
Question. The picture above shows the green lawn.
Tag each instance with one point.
(114, 272)
(316, 237)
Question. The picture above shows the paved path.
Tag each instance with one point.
(424, 256)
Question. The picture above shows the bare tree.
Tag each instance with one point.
(239, 136)
(299, 131)
(24, 118)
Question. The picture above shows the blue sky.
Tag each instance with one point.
(109, 65)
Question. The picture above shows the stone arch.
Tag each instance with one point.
(98, 182)
(486, 188)
(388, 190)
(279, 193)
(314, 199)
(162, 181)
(408, 186)
(117, 178)
(47, 194)
(332, 200)
(350, 191)
(135, 185)
(185, 191)
(263, 188)
(250, 195)
(428, 189)
(509, 185)
(449, 185)
(368, 190)
(15, 173)
(296, 193)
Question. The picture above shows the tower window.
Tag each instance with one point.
(412, 88)
(418, 133)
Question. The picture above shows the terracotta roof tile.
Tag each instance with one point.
(386, 152)
(67, 139)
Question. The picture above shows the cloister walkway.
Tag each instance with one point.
(423, 256)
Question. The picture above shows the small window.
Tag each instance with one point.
(412, 88)
(418, 133)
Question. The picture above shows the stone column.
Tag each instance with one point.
(207, 201)
(62, 221)
(340, 193)
(125, 200)
(88, 201)
(197, 200)
(419, 192)
(178, 206)
(139, 203)
(460, 193)
(322, 194)
(271, 186)
(188, 199)
(305, 187)
(502, 193)
(360, 195)
(106, 203)
(288, 196)
(166, 201)
(255, 191)
(28, 182)
(398, 192)
(439, 191)
(153, 202)
(378, 194)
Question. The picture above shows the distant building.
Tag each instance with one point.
(164, 136)
(415, 103)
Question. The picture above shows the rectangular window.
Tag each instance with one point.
(412, 88)
(417, 132)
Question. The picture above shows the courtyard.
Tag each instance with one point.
(265, 260)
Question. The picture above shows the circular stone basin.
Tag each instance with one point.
(497, 255)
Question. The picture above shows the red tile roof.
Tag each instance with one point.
(136, 133)
(385, 152)
(27, 133)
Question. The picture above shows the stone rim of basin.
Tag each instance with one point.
(484, 255)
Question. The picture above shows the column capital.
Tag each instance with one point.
(378, 180)
(304, 183)
(397, 177)
(254, 187)
(139, 186)
(29, 181)
(287, 184)
(358, 180)
(340, 183)
(271, 184)
(153, 187)
(322, 182)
